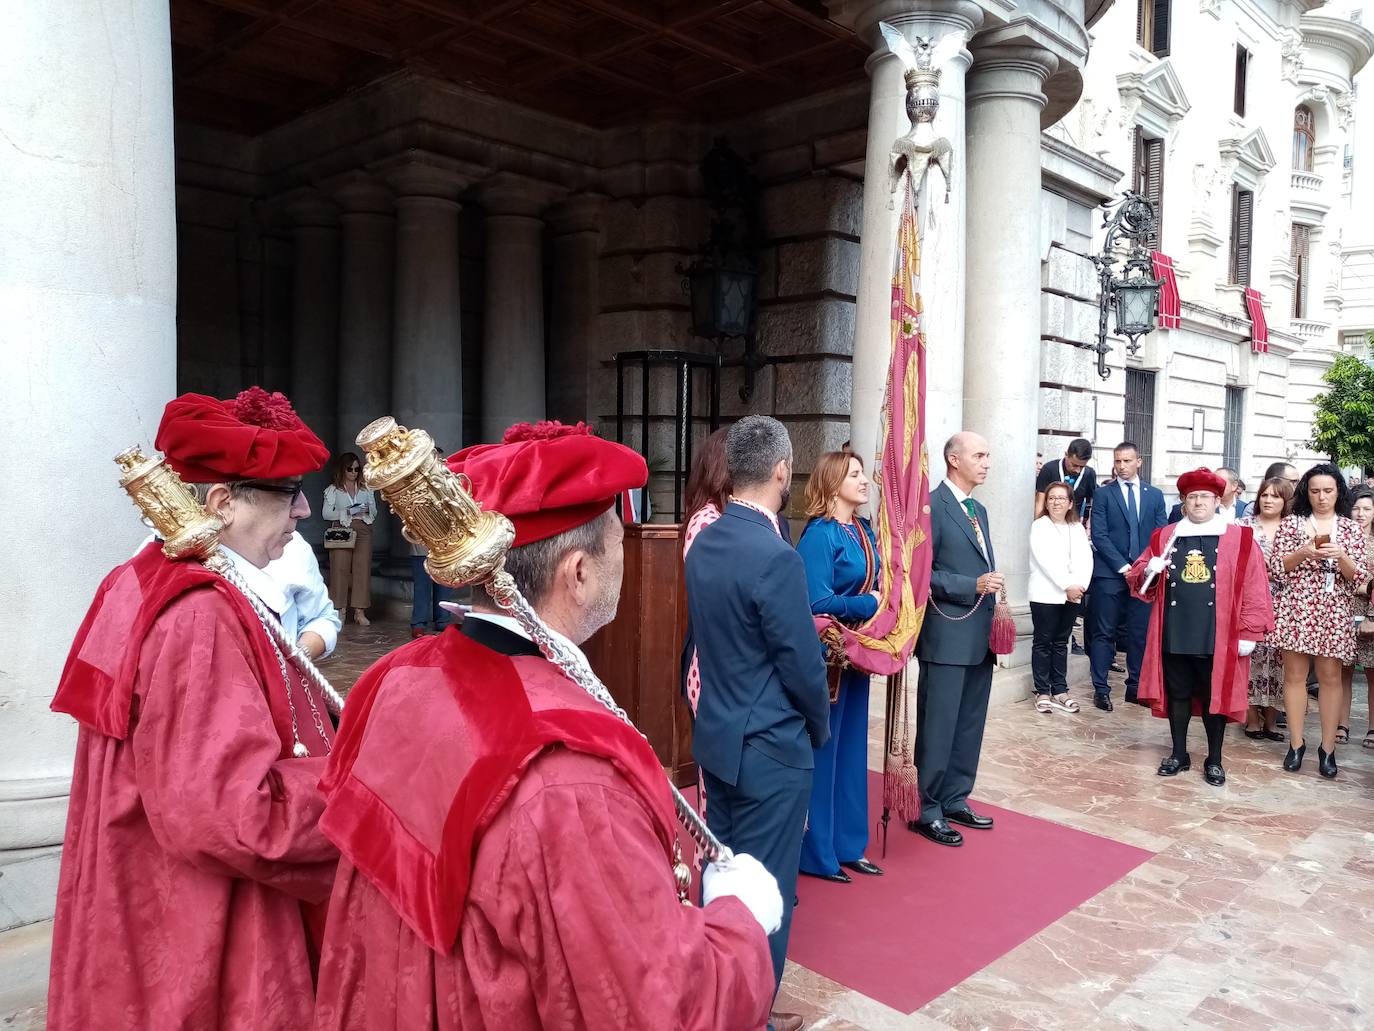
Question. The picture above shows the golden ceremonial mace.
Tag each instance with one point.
(468, 546)
(188, 531)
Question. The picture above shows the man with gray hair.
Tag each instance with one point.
(765, 705)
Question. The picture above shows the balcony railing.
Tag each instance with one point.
(1307, 181)
(1310, 330)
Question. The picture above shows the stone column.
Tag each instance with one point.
(576, 225)
(1002, 329)
(87, 362)
(513, 384)
(365, 311)
(314, 330)
(427, 348)
(942, 227)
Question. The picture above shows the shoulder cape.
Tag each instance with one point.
(97, 683)
(369, 785)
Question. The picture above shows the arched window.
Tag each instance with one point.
(1303, 139)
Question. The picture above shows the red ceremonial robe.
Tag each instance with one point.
(192, 845)
(1244, 612)
(506, 863)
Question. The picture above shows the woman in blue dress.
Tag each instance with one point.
(841, 558)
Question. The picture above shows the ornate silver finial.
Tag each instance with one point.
(920, 148)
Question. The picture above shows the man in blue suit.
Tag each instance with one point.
(956, 663)
(1125, 514)
(765, 704)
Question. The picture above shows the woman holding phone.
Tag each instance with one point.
(348, 504)
(1319, 556)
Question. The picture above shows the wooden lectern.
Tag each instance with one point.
(638, 655)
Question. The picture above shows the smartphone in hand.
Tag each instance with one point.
(1322, 540)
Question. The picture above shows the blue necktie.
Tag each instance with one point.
(1133, 517)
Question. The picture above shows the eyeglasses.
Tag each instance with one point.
(296, 491)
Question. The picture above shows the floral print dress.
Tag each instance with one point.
(1266, 662)
(1308, 618)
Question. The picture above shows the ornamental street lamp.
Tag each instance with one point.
(1133, 295)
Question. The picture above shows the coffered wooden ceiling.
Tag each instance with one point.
(251, 65)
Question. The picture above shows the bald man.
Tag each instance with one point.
(956, 664)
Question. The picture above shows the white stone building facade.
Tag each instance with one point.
(1223, 92)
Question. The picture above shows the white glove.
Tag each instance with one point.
(1156, 565)
(1244, 648)
(745, 878)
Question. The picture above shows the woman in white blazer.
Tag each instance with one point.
(1061, 566)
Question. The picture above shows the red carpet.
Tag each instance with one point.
(940, 914)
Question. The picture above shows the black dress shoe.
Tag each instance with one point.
(1130, 696)
(1272, 735)
(1172, 766)
(863, 866)
(1116, 667)
(968, 818)
(1213, 774)
(1254, 735)
(1103, 702)
(1326, 763)
(937, 831)
(839, 876)
(1074, 648)
(1292, 762)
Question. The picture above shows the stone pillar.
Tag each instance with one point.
(87, 362)
(576, 225)
(427, 339)
(942, 232)
(513, 384)
(1002, 329)
(314, 331)
(365, 310)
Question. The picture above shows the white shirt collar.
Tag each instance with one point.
(259, 581)
(1135, 483)
(959, 495)
(513, 625)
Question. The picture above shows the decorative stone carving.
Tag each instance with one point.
(1345, 109)
(1292, 56)
(1212, 7)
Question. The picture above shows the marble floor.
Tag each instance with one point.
(1257, 911)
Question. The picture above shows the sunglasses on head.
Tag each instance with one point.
(296, 491)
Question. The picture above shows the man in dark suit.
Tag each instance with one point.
(956, 664)
(1125, 514)
(765, 705)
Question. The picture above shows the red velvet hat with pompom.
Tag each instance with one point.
(254, 436)
(546, 477)
(1201, 480)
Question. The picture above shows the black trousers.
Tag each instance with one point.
(1051, 626)
(1188, 681)
(951, 712)
(764, 813)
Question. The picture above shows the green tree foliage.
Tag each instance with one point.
(1344, 423)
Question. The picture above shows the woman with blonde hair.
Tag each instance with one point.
(348, 505)
(840, 553)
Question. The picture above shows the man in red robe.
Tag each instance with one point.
(193, 857)
(506, 842)
(1209, 587)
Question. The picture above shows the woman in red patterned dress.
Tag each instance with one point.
(1319, 554)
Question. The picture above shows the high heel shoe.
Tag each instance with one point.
(1326, 763)
(1292, 762)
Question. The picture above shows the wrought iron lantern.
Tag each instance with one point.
(722, 297)
(1133, 295)
(722, 282)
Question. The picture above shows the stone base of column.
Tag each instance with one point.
(33, 814)
(25, 954)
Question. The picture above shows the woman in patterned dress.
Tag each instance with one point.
(1319, 555)
(1362, 511)
(1273, 502)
